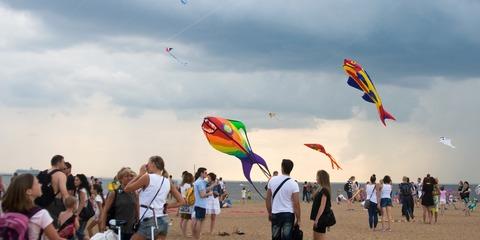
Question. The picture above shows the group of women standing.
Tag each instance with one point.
(380, 202)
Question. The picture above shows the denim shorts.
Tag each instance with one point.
(148, 223)
(386, 202)
(200, 213)
(282, 225)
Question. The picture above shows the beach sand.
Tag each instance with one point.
(251, 218)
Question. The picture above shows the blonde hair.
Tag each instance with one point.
(70, 202)
(124, 171)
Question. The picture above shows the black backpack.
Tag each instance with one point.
(346, 187)
(48, 196)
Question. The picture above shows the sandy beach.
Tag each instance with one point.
(251, 219)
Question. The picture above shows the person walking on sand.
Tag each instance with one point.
(443, 200)
(406, 198)
(348, 188)
(427, 198)
(321, 206)
(283, 203)
(465, 196)
(386, 202)
(371, 190)
(244, 195)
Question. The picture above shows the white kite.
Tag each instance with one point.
(446, 141)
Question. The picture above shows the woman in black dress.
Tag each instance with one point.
(465, 195)
(427, 198)
(321, 212)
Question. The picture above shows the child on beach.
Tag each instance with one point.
(443, 200)
(244, 195)
(19, 199)
(340, 197)
(186, 210)
(97, 199)
(67, 220)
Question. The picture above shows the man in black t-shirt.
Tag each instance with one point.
(70, 178)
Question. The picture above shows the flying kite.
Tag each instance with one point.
(184, 1)
(321, 149)
(273, 115)
(359, 79)
(446, 141)
(230, 137)
(169, 51)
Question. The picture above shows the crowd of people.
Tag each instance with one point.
(60, 205)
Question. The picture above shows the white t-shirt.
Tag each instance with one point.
(86, 195)
(184, 188)
(147, 195)
(244, 193)
(283, 200)
(38, 222)
(222, 185)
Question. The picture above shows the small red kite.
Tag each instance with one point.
(321, 149)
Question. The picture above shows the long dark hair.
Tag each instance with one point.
(199, 172)
(83, 183)
(16, 199)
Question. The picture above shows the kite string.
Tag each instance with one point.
(194, 23)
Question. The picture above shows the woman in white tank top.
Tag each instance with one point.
(154, 188)
(371, 191)
(386, 202)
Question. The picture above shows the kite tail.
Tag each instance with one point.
(384, 115)
(333, 161)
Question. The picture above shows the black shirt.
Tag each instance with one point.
(70, 183)
(316, 203)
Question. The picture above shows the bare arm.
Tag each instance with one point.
(137, 183)
(323, 204)
(103, 215)
(51, 233)
(268, 202)
(82, 196)
(379, 192)
(204, 194)
(296, 207)
(177, 196)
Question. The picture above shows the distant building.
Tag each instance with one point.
(31, 171)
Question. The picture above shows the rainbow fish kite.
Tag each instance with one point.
(359, 79)
(320, 148)
(230, 137)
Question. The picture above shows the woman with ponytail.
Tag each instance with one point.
(155, 188)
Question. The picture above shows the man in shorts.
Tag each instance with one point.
(200, 206)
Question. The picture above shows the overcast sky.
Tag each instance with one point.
(90, 80)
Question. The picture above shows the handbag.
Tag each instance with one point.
(88, 211)
(366, 204)
(136, 225)
(327, 219)
(297, 233)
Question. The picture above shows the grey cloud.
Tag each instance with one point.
(396, 41)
